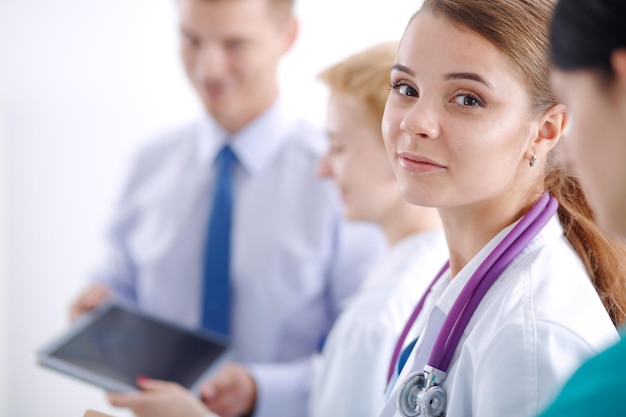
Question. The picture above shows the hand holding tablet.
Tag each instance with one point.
(114, 344)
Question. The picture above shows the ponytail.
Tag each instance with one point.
(604, 258)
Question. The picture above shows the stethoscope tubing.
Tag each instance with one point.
(409, 323)
(479, 283)
(485, 276)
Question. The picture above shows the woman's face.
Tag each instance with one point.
(357, 161)
(457, 123)
(596, 142)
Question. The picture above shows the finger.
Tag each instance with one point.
(219, 386)
(225, 405)
(208, 392)
(117, 399)
(240, 396)
(148, 384)
(88, 301)
(78, 310)
(96, 296)
(217, 393)
(75, 311)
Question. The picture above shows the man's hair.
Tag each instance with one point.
(284, 8)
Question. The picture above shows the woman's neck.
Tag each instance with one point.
(408, 220)
(469, 228)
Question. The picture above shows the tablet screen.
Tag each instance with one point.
(123, 345)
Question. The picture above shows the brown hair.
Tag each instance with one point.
(364, 76)
(288, 3)
(520, 29)
(284, 8)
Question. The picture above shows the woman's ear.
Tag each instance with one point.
(618, 62)
(552, 125)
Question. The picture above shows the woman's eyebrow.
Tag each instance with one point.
(472, 76)
(402, 68)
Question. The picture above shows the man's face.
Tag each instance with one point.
(231, 50)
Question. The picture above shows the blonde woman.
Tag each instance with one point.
(351, 372)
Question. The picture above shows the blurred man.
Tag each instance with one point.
(223, 223)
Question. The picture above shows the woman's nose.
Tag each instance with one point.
(420, 120)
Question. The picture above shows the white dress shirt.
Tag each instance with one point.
(350, 375)
(293, 260)
(533, 328)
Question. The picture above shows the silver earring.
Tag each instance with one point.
(533, 161)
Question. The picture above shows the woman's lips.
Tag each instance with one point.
(418, 163)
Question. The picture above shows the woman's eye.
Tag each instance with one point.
(335, 149)
(404, 89)
(468, 100)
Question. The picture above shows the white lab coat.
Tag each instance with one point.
(534, 327)
(350, 375)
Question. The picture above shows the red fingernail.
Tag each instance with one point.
(141, 378)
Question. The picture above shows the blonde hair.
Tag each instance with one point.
(364, 76)
(520, 29)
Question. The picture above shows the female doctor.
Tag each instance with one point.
(589, 51)
(350, 374)
(532, 288)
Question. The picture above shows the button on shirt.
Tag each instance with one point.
(293, 260)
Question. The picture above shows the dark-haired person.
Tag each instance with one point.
(532, 288)
(589, 53)
(224, 224)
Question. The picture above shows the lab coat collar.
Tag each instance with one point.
(450, 289)
(255, 145)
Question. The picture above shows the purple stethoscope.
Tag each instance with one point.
(421, 393)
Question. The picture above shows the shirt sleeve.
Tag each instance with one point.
(117, 270)
(282, 388)
(358, 247)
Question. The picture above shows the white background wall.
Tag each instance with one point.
(82, 84)
(4, 387)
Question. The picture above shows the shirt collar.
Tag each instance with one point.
(255, 144)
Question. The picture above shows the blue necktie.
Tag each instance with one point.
(216, 292)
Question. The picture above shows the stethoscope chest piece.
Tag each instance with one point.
(419, 397)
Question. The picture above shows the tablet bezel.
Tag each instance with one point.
(46, 359)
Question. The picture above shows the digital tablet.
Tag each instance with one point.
(114, 344)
